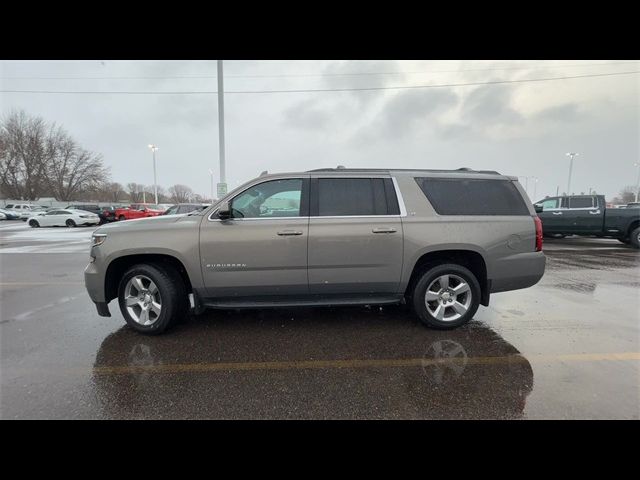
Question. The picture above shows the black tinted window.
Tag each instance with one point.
(351, 196)
(580, 202)
(452, 196)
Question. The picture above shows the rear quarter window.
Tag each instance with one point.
(468, 196)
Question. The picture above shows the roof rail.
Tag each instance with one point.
(459, 170)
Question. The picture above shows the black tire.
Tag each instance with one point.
(429, 276)
(70, 223)
(634, 239)
(122, 217)
(34, 223)
(172, 292)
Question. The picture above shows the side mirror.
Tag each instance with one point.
(538, 208)
(224, 211)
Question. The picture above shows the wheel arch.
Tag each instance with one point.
(469, 258)
(121, 264)
(632, 226)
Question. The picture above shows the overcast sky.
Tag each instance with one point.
(521, 129)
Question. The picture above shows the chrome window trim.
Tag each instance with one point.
(403, 209)
(354, 216)
(252, 219)
(401, 204)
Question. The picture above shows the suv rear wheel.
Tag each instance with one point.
(446, 296)
(151, 297)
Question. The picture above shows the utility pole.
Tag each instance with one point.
(222, 186)
(535, 187)
(155, 181)
(570, 154)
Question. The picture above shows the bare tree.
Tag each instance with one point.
(150, 193)
(37, 158)
(180, 193)
(111, 192)
(626, 195)
(72, 170)
(135, 192)
(22, 155)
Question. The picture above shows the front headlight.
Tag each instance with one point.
(98, 239)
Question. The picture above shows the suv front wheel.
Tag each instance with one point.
(446, 296)
(149, 297)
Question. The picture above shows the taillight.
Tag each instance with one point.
(538, 223)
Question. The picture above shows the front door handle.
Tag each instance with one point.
(384, 230)
(597, 212)
(557, 213)
(286, 233)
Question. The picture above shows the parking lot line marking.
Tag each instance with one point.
(36, 284)
(357, 363)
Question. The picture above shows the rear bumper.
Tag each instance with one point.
(517, 271)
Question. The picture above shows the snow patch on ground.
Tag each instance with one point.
(24, 239)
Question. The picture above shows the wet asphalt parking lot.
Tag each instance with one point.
(567, 348)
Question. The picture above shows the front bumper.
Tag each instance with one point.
(103, 309)
(94, 283)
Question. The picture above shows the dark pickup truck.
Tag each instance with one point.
(587, 215)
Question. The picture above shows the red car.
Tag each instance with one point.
(138, 210)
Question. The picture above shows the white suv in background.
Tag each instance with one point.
(22, 209)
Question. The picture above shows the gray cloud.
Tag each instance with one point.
(306, 115)
(490, 104)
(561, 113)
(410, 108)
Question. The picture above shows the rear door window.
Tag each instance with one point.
(581, 202)
(470, 196)
(353, 197)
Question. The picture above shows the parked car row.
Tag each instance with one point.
(105, 214)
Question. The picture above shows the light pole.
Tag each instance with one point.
(637, 181)
(570, 154)
(211, 173)
(535, 187)
(155, 182)
(223, 173)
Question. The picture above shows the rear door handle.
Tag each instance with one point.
(557, 213)
(597, 212)
(285, 233)
(384, 230)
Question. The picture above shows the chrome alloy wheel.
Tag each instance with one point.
(448, 297)
(142, 299)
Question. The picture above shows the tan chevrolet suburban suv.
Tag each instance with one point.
(442, 241)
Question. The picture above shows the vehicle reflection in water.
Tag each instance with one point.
(322, 363)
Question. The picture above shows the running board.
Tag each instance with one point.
(319, 302)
